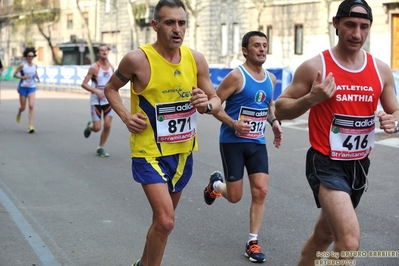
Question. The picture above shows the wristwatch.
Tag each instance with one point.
(275, 119)
(209, 108)
(396, 127)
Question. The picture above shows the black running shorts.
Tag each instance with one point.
(237, 155)
(347, 176)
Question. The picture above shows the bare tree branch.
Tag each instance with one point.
(87, 35)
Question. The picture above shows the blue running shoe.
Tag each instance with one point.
(253, 252)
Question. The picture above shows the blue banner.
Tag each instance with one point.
(67, 75)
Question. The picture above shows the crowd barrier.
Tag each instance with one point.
(69, 78)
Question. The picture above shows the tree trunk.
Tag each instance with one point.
(87, 37)
(133, 26)
(50, 44)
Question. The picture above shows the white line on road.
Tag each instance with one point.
(42, 252)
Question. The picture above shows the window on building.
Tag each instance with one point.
(147, 34)
(224, 40)
(113, 39)
(70, 21)
(55, 26)
(236, 38)
(333, 36)
(42, 2)
(298, 39)
(40, 53)
(366, 45)
(56, 51)
(269, 34)
(86, 18)
(2, 27)
(107, 6)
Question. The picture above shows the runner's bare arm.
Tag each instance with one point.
(204, 83)
(121, 77)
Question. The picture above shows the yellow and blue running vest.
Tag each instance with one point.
(165, 101)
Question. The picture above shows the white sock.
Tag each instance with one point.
(215, 185)
(252, 237)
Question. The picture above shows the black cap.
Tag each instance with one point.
(345, 9)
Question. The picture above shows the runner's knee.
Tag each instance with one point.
(164, 225)
(347, 243)
(259, 193)
(107, 126)
(234, 198)
(323, 237)
(323, 234)
(96, 127)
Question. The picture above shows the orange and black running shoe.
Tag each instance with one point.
(253, 252)
(209, 193)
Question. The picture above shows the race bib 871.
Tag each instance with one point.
(176, 121)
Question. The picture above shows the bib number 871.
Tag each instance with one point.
(179, 125)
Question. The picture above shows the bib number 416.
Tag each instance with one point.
(358, 142)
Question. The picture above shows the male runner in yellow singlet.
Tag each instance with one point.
(169, 84)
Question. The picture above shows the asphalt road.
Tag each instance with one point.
(60, 204)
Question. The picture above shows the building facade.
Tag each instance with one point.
(297, 29)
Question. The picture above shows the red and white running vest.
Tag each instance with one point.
(343, 127)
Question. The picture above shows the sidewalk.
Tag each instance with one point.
(8, 90)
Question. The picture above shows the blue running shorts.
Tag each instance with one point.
(24, 91)
(175, 170)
